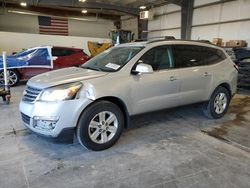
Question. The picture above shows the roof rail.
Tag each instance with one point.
(204, 41)
(166, 38)
(160, 38)
(140, 40)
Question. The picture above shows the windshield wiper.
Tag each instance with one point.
(92, 68)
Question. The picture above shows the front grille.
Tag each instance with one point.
(25, 118)
(31, 94)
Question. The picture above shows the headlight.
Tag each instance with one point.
(60, 93)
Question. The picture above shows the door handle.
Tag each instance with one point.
(206, 74)
(172, 78)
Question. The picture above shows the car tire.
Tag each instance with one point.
(100, 126)
(13, 77)
(218, 103)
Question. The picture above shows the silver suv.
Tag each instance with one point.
(96, 100)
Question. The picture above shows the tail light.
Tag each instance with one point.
(236, 67)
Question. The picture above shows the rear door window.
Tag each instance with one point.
(193, 55)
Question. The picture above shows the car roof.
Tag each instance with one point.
(172, 41)
(68, 48)
(133, 44)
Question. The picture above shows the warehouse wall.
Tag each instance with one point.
(19, 23)
(221, 20)
(29, 24)
(14, 42)
(99, 28)
(166, 21)
(229, 20)
(130, 23)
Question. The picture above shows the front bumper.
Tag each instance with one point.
(52, 119)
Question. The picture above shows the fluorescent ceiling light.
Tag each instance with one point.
(23, 4)
(82, 1)
(142, 7)
(84, 19)
(84, 11)
(21, 12)
(72, 18)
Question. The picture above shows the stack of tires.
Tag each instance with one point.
(244, 75)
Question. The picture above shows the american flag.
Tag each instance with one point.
(53, 26)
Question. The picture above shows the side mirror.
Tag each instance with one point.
(142, 68)
(54, 58)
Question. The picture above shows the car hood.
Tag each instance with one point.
(63, 76)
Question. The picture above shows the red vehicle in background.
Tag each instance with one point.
(34, 61)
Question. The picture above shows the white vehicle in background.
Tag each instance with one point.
(96, 100)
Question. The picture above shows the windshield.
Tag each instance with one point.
(112, 59)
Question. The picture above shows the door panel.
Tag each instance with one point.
(159, 89)
(155, 91)
(62, 62)
(196, 74)
(64, 57)
(75, 59)
(27, 73)
(194, 84)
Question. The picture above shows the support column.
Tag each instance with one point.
(186, 19)
(142, 27)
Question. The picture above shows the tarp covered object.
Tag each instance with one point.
(35, 57)
(242, 54)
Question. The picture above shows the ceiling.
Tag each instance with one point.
(106, 9)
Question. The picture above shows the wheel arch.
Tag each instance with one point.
(15, 69)
(18, 72)
(119, 102)
(226, 86)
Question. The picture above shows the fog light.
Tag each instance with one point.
(45, 123)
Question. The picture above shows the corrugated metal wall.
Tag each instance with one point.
(229, 20)
(167, 21)
(29, 24)
(130, 23)
(16, 42)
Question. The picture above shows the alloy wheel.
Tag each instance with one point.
(220, 103)
(103, 127)
(12, 78)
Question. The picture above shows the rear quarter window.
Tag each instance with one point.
(213, 56)
(194, 55)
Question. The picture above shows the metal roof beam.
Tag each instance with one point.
(89, 5)
(55, 11)
(164, 2)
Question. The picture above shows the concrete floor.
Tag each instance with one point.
(174, 148)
